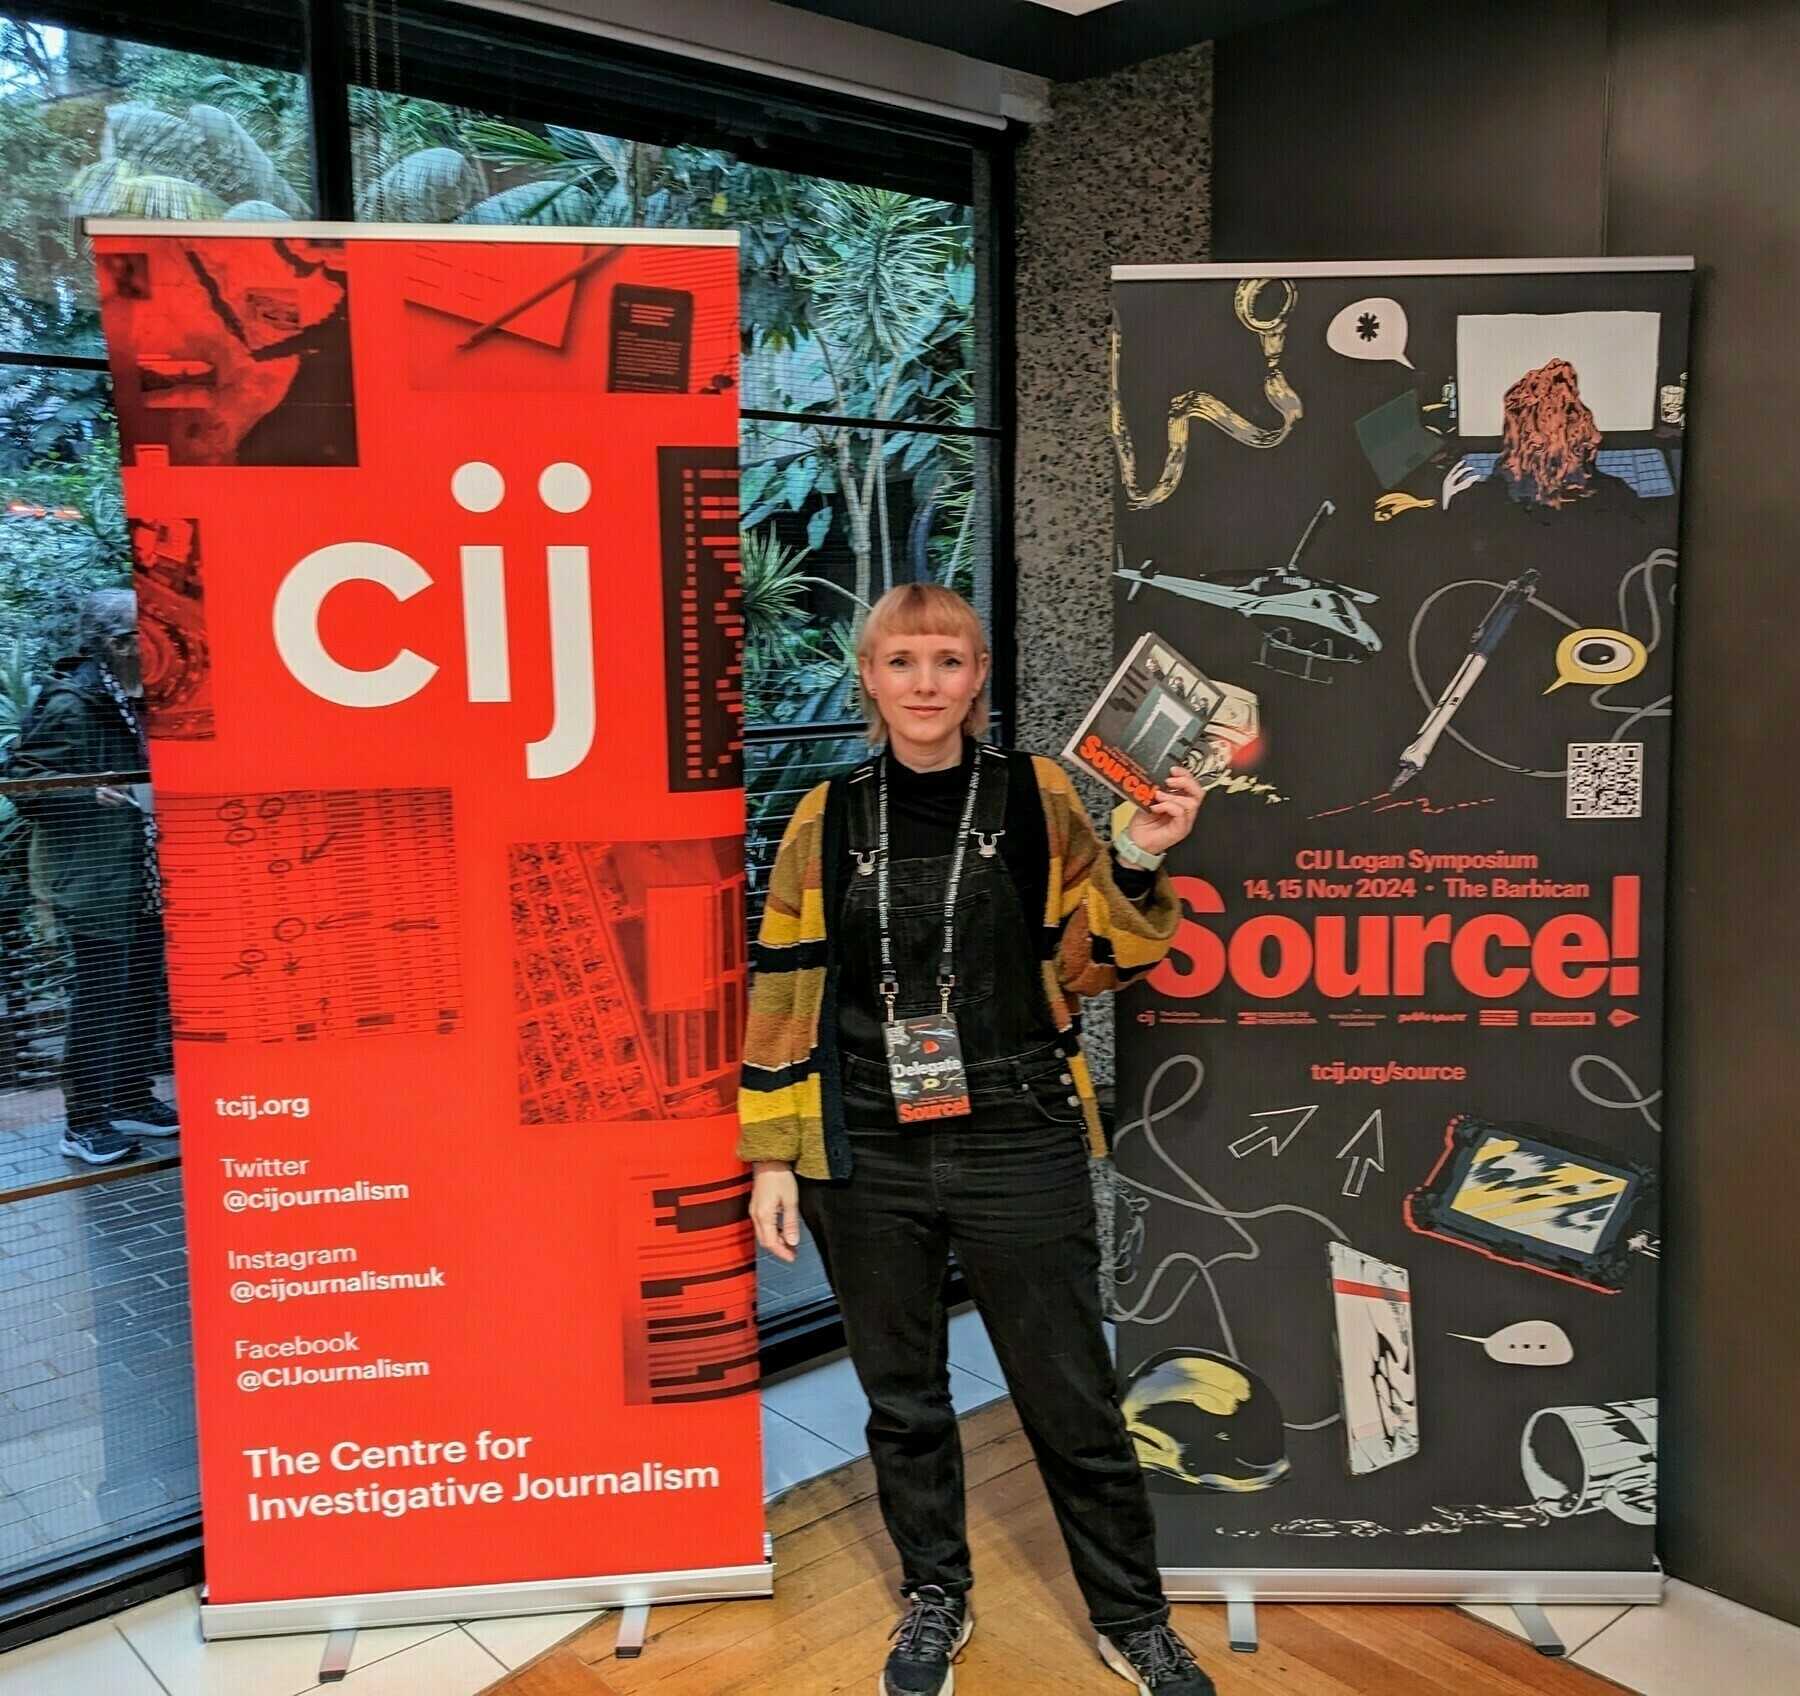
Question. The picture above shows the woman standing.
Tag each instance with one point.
(914, 1084)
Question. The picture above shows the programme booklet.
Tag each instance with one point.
(1147, 719)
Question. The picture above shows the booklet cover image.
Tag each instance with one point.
(1147, 719)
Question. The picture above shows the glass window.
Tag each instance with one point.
(93, 126)
(96, 1423)
(870, 458)
(867, 460)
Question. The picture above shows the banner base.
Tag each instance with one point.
(1365, 1584)
(220, 1620)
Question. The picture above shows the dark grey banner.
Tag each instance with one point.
(1386, 1230)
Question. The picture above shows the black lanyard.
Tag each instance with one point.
(890, 979)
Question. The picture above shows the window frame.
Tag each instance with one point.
(810, 131)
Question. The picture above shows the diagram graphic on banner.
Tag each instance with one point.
(1389, 1122)
(435, 534)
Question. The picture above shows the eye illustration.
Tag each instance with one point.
(1598, 658)
(1604, 654)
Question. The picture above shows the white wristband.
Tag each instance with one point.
(1132, 854)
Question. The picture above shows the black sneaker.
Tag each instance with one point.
(1157, 1662)
(149, 1118)
(929, 1639)
(97, 1148)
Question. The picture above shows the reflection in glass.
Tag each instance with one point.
(62, 541)
(95, 126)
(856, 301)
(96, 1425)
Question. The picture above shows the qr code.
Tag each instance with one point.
(1606, 780)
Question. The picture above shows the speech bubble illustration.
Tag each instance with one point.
(1370, 329)
(1532, 1342)
(1598, 658)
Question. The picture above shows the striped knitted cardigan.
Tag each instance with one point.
(790, 1103)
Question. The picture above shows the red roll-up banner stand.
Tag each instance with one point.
(435, 535)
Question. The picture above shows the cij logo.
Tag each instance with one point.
(476, 487)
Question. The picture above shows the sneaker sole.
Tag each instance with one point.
(1116, 1662)
(140, 1127)
(948, 1687)
(75, 1151)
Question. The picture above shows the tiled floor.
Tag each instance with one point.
(1693, 1641)
(812, 1422)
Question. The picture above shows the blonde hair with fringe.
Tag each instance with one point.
(921, 609)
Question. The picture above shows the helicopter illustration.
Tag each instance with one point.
(1277, 599)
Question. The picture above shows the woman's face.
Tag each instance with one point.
(924, 687)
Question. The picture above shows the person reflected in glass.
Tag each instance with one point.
(99, 848)
(947, 896)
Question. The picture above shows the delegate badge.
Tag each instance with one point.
(925, 1068)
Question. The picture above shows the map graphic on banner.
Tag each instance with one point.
(436, 548)
(1389, 1128)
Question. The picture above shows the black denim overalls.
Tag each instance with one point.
(1019, 1077)
(1006, 1188)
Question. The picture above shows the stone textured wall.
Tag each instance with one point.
(1120, 173)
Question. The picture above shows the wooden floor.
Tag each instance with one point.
(825, 1630)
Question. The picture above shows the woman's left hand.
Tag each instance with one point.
(1167, 820)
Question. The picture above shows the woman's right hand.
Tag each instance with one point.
(775, 1208)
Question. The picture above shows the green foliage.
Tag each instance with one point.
(434, 186)
(49, 418)
(774, 602)
(385, 128)
(796, 664)
(48, 564)
(92, 126)
(18, 689)
(878, 264)
(155, 164)
(779, 774)
(270, 106)
(36, 242)
(107, 128)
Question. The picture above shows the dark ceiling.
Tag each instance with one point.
(1048, 43)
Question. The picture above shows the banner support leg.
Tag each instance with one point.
(634, 1623)
(1240, 1626)
(335, 1661)
(1535, 1623)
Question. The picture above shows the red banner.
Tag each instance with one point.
(436, 543)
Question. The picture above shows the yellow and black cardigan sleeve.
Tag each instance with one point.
(780, 1110)
(1096, 940)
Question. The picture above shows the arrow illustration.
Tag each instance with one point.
(1356, 1174)
(1265, 1137)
